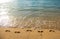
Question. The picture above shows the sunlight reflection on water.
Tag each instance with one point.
(5, 20)
(4, 17)
(11, 16)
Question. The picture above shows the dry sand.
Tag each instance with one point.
(17, 33)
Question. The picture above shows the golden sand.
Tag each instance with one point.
(18, 33)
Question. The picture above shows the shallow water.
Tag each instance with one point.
(30, 13)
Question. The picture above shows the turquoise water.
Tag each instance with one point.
(38, 4)
(13, 12)
(23, 7)
(29, 7)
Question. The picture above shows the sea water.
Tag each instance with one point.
(30, 13)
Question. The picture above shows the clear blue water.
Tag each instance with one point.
(11, 12)
(38, 4)
(23, 7)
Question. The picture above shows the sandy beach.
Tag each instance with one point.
(18, 33)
